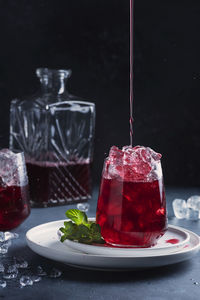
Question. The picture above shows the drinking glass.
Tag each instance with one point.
(14, 194)
(131, 208)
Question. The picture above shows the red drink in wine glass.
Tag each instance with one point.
(131, 208)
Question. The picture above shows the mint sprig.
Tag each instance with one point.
(80, 229)
(77, 216)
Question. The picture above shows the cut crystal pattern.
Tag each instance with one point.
(57, 139)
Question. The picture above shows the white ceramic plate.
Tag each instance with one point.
(164, 245)
(44, 241)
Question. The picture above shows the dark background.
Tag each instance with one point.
(92, 38)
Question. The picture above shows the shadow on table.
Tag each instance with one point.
(75, 274)
(83, 275)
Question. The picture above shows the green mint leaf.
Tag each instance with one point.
(63, 238)
(77, 216)
(62, 229)
(95, 228)
(68, 225)
(69, 231)
(96, 237)
(80, 229)
(83, 231)
(86, 240)
(95, 233)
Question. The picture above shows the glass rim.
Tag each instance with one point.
(14, 151)
(47, 72)
(68, 104)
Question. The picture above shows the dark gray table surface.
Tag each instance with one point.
(170, 282)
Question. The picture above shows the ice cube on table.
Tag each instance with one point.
(83, 206)
(20, 263)
(3, 283)
(1, 268)
(4, 246)
(10, 275)
(11, 235)
(12, 269)
(25, 280)
(192, 214)
(36, 278)
(2, 236)
(194, 202)
(5, 236)
(180, 208)
(55, 273)
(40, 271)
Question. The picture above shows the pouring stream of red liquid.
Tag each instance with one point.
(131, 72)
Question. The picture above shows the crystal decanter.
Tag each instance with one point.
(56, 132)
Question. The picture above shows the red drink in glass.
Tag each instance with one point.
(131, 207)
(14, 206)
(14, 194)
